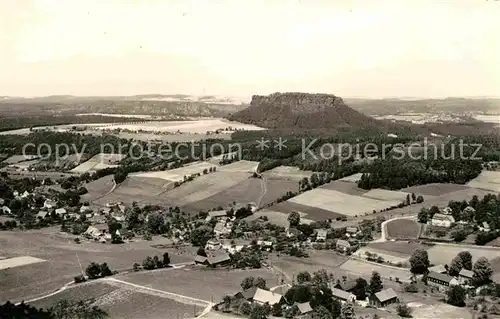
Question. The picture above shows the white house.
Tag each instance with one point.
(321, 235)
(446, 211)
(61, 211)
(49, 204)
(213, 245)
(485, 227)
(442, 220)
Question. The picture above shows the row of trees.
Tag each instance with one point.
(63, 309)
(154, 263)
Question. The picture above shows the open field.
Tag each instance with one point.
(287, 172)
(341, 203)
(345, 187)
(62, 257)
(18, 261)
(120, 301)
(444, 253)
(397, 248)
(19, 158)
(196, 126)
(487, 180)
(365, 269)
(277, 218)
(354, 178)
(434, 189)
(240, 166)
(177, 174)
(388, 256)
(187, 281)
(136, 189)
(310, 212)
(386, 195)
(247, 191)
(98, 188)
(318, 259)
(402, 229)
(99, 161)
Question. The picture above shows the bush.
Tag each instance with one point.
(403, 310)
(80, 278)
(411, 288)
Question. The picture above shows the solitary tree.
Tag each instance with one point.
(455, 295)
(105, 271)
(93, 270)
(166, 259)
(482, 272)
(419, 261)
(294, 219)
(375, 283)
(466, 259)
(403, 310)
(360, 289)
(303, 276)
(247, 283)
(347, 311)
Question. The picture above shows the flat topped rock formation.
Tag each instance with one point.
(302, 110)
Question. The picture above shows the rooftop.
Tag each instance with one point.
(386, 295)
(264, 296)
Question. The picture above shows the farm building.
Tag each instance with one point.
(49, 204)
(262, 297)
(293, 232)
(343, 245)
(446, 211)
(42, 214)
(440, 269)
(343, 296)
(352, 230)
(220, 229)
(304, 308)
(201, 260)
(321, 234)
(216, 214)
(246, 294)
(442, 220)
(219, 259)
(346, 285)
(85, 209)
(442, 281)
(213, 245)
(384, 298)
(465, 276)
(61, 211)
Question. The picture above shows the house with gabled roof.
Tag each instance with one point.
(440, 269)
(262, 297)
(321, 235)
(441, 220)
(42, 214)
(345, 285)
(465, 276)
(343, 245)
(384, 298)
(216, 214)
(60, 211)
(343, 296)
(304, 308)
(246, 294)
(441, 281)
(219, 259)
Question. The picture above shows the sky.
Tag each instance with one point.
(351, 48)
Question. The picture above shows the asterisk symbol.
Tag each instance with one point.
(280, 144)
(262, 143)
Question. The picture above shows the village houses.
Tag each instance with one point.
(441, 220)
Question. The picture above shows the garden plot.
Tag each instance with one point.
(99, 161)
(488, 180)
(341, 203)
(249, 190)
(287, 172)
(402, 229)
(393, 258)
(386, 195)
(177, 174)
(240, 166)
(18, 261)
(120, 301)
